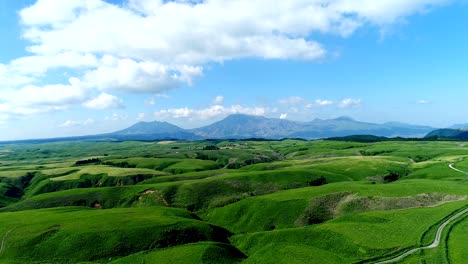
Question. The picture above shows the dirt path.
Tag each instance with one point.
(2, 247)
(438, 234)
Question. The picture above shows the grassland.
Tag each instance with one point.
(288, 201)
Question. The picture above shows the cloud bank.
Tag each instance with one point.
(151, 46)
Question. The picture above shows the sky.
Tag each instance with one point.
(82, 67)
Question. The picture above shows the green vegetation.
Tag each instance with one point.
(236, 201)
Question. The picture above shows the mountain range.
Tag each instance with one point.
(240, 126)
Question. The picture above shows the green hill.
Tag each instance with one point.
(232, 201)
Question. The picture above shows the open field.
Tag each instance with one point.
(288, 201)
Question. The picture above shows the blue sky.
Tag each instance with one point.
(89, 66)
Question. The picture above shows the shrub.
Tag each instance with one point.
(391, 177)
(317, 182)
(88, 161)
(210, 147)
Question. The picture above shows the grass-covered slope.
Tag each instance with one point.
(350, 238)
(71, 235)
(203, 252)
(284, 201)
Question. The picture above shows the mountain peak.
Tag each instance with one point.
(344, 118)
(153, 127)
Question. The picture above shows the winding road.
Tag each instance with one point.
(438, 234)
(455, 169)
(2, 247)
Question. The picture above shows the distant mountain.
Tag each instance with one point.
(154, 127)
(153, 131)
(245, 126)
(240, 126)
(448, 133)
(345, 126)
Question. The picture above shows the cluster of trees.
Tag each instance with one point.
(210, 147)
(203, 156)
(122, 164)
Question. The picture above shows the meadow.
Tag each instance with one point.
(232, 201)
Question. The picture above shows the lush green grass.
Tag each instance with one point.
(70, 235)
(356, 236)
(203, 252)
(108, 197)
(100, 169)
(258, 190)
(457, 242)
(293, 253)
(282, 209)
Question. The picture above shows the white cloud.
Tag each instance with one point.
(213, 30)
(40, 64)
(218, 100)
(104, 101)
(116, 117)
(209, 31)
(350, 102)
(48, 95)
(11, 78)
(284, 116)
(323, 102)
(212, 112)
(72, 123)
(34, 99)
(150, 46)
(131, 76)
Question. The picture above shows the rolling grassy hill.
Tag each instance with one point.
(230, 201)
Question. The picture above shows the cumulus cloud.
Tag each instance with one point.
(321, 102)
(284, 116)
(58, 95)
(212, 112)
(34, 99)
(104, 101)
(350, 102)
(150, 46)
(128, 75)
(73, 123)
(206, 31)
(219, 99)
(116, 117)
(40, 64)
